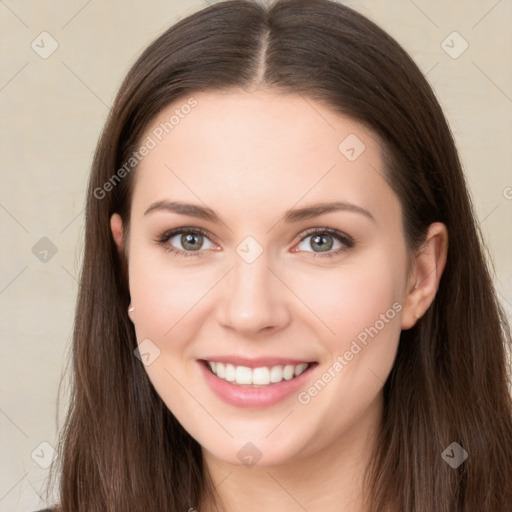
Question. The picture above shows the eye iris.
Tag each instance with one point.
(187, 241)
(321, 241)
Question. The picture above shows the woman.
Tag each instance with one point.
(284, 302)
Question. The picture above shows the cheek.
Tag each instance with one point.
(360, 312)
(165, 301)
(163, 296)
(347, 299)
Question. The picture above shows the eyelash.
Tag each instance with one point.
(348, 241)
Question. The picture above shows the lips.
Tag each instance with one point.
(257, 362)
(255, 396)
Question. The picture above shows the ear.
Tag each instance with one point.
(427, 268)
(116, 226)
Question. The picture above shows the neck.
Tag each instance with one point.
(329, 480)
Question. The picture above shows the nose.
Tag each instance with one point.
(253, 299)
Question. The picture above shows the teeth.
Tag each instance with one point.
(221, 371)
(258, 376)
(243, 374)
(288, 372)
(230, 373)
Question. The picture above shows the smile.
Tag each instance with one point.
(258, 386)
(261, 376)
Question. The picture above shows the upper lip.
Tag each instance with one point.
(257, 361)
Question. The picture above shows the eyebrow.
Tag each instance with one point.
(290, 216)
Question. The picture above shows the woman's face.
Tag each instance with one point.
(261, 284)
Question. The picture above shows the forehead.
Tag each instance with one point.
(258, 152)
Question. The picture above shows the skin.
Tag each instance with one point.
(251, 157)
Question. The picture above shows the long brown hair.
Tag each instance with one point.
(121, 449)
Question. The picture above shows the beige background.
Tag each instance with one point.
(52, 112)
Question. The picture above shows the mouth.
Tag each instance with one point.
(252, 386)
(256, 376)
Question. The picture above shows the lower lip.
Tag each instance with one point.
(254, 397)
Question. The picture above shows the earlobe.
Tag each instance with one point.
(428, 268)
(116, 226)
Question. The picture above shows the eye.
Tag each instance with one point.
(190, 240)
(324, 240)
